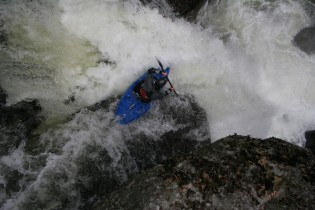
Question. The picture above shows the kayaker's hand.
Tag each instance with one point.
(163, 73)
(169, 90)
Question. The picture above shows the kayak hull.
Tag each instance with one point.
(130, 107)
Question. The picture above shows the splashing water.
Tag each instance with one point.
(238, 60)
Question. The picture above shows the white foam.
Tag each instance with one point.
(246, 83)
(256, 82)
(245, 86)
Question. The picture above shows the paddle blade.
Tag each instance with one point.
(166, 76)
(160, 64)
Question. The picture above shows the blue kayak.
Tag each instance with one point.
(130, 107)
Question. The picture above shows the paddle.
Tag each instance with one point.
(166, 76)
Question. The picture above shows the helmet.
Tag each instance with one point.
(160, 84)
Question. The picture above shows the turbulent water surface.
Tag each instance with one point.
(238, 60)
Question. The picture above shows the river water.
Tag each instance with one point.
(237, 59)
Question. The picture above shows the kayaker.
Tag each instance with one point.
(152, 88)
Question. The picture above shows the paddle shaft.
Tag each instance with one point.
(170, 83)
(166, 76)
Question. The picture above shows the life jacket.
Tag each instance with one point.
(143, 95)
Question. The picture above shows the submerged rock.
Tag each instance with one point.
(313, 1)
(3, 97)
(310, 140)
(189, 129)
(3, 34)
(305, 40)
(188, 123)
(187, 8)
(146, 142)
(180, 8)
(17, 122)
(236, 172)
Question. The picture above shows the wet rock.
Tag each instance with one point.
(310, 140)
(186, 8)
(3, 34)
(180, 8)
(142, 150)
(191, 130)
(310, 9)
(107, 61)
(305, 40)
(3, 97)
(69, 100)
(104, 105)
(16, 123)
(236, 172)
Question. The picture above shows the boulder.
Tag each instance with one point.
(310, 140)
(180, 8)
(190, 130)
(237, 172)
(146, 147)
(305, 40)
(186, 8)
(17, 122)
(3, 97)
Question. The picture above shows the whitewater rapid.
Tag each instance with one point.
(237, 59)
(256, 82)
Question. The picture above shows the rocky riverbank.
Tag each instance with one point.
(176, 170)
(101, 173)
(17, 121)
(236, 172)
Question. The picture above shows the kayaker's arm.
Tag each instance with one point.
(158, 71)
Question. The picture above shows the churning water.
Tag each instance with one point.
(238, 60)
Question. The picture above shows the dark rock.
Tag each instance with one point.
(187, 8)
(310, 140)
(104, 105)
(148, 152)
(305, 40)
(69, 100)
(143, 151)
(3, 38)
(236, 172)
(3, 34)
(107, 61)
(309, 7)
(180, 8)
(3, 97)
(12, 177)
(16, 123)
